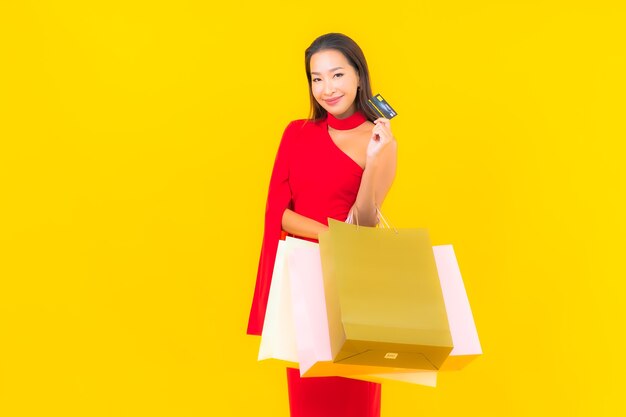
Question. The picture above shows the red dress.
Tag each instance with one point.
(316, 179)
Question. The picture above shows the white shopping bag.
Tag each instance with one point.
(278, 339)
(462, 328)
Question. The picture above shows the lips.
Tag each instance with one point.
(333, 101)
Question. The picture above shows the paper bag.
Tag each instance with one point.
(383, 297)
(278, 338)
(311, 325)
(462, 327)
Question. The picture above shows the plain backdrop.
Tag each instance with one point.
(136, 144)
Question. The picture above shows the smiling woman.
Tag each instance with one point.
(333, 63)
(341, 160)
(337, 87)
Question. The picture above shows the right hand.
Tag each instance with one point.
(380, 139)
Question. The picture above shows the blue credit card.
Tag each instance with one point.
(381, 107)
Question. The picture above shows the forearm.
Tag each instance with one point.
(299, 225)
(365, 204)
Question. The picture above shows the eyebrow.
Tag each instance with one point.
(331, 70)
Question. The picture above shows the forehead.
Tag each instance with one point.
(325, 60)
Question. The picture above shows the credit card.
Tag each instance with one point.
(381, 107)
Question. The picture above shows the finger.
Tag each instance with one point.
(386, 132)
(381, 123)
(378, 138)
(384, 135)
(385, 124)
(383, 139)
(382, 127)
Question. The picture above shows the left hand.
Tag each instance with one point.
(381, 138)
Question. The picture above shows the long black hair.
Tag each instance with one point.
(354, 55)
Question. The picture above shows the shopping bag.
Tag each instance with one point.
(384, 300)
(278, 338)
(311, 325)
(462, 328)
(308, 305)
(281, 335)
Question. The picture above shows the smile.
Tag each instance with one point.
(333, 101)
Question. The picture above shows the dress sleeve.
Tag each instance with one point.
(278, 199)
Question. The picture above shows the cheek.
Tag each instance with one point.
(349, 84)
(316, 89)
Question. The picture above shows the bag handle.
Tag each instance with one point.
(353, 216)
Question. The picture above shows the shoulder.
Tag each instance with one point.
(300, 128)
(366, 126)
(302, 124)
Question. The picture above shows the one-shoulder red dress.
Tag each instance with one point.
(316, 179)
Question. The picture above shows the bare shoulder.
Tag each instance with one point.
(367, 125)
(365, 130)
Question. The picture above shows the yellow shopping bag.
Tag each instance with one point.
(310, 321)
(383, 296)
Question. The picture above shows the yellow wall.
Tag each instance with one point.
(136, 142)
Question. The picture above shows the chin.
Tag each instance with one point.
(333, 110)
(338, 113)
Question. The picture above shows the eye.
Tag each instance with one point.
(339, 74)
(315, 80)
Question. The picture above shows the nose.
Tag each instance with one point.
(329, 88)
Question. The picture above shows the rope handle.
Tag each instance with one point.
(353, 218)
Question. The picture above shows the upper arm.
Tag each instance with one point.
(279, 192)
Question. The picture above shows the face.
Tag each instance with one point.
(334, 82)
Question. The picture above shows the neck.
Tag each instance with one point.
(354, 120)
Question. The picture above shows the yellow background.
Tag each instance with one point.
(136, 143)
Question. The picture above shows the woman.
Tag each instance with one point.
(342, 158)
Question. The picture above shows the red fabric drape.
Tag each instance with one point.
(313, 177)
